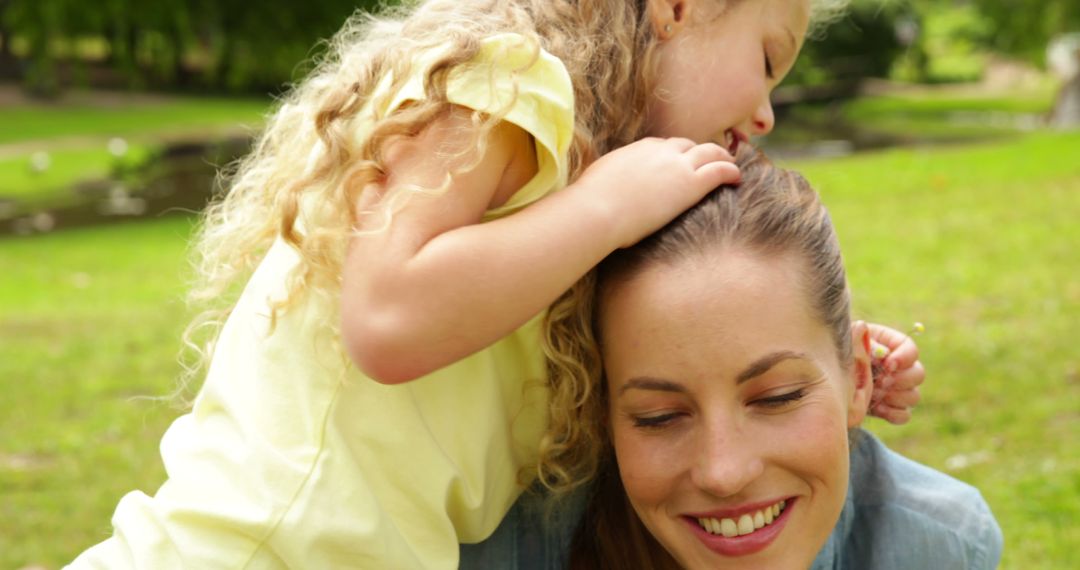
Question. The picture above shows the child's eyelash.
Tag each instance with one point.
(768, 66)
(782, 399)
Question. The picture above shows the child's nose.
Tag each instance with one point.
(763, 118)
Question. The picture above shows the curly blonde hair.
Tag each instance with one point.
(302, 181)
(603, 44)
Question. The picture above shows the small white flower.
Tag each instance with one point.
(965, 460)
(43, 222)
(880, 351)
(118, 147)
(40, 162)
(80, 280)
(918, 328)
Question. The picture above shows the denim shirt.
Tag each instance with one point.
(898, 515)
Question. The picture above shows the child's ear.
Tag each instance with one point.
(669, 17)
(861, 372)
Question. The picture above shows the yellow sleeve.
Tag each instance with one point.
(509, 64)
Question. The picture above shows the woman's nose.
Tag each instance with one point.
(763, 120)
(727, 462)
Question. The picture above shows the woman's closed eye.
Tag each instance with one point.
(655, 421)
(780, 400)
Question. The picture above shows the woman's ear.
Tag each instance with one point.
(861, 372)
(669, 17)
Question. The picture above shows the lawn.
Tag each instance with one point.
(74, 138)
(978, 242)
(39, 121)
(921, 114)
(20, 181)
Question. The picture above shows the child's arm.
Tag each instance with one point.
(897, 375)
(438, 285)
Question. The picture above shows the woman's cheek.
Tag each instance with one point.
(814, 439)
(647, 459)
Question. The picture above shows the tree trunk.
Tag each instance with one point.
(5, 34)
(1066, 112)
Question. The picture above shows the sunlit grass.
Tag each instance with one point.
(89, 327)
(980, 243)
(37, 121)
(20, 179)
(924, 114)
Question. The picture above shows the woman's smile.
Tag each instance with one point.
(739, 534)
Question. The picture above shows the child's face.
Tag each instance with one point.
(718, 62)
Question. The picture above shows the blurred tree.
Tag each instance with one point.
(227, 44)
(863, 43)
(1025, 27)
(5, 33)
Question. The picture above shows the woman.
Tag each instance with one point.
(710, 385)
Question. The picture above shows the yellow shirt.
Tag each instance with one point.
(290, 457)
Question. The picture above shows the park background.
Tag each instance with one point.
(941, 133)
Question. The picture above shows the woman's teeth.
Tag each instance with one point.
(745, 524)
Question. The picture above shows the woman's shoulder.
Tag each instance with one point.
(905, 512)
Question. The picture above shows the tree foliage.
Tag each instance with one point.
(863, 43)
(1025, 27)
(230, 44)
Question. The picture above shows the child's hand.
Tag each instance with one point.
(645, 184)
(897, 373)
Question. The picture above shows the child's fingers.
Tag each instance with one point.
(720, 172)
(681, 144)
(908, 378)
(902, 398)
(903, 352)
(704, 154)
(895, 416)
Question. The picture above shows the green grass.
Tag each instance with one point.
(44, 121)
(949, 114)
(75, 136)
(978, 242)
(923, 115)
(89, 322)
(19, 181)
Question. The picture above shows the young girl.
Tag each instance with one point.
(376, 395)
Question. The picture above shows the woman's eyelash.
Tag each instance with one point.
(654, 421)
(782, 399)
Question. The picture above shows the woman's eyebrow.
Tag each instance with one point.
(757, 368)
(763, 364)
(648, 383)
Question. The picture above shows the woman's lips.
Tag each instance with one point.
(719, 535)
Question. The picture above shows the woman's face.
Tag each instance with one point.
(729, 409)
